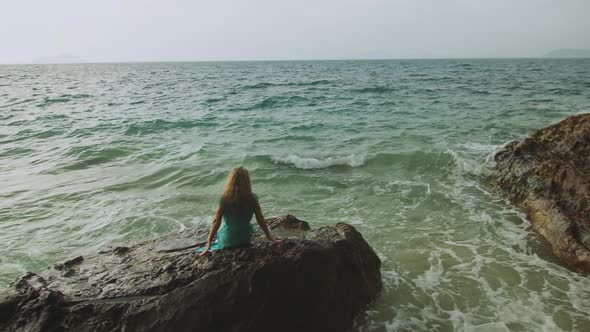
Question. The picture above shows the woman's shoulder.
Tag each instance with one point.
(254, 196)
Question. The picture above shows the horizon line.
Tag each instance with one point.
(287, 60)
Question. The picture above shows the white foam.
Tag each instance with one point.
(435, 274)
(470, 165)
(352, 160)
(496, 148)
(479, 147)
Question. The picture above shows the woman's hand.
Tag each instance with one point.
(274, 239)
(206, 250)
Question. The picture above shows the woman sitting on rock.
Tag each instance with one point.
(237, 206)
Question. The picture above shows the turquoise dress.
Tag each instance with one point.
(236, 230)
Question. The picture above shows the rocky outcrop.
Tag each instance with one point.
(316, 280)
(548, 176)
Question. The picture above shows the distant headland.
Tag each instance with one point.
(569, 53)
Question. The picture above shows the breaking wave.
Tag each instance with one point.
(352, 160)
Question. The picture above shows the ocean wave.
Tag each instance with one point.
(352, 160)
(86, 157)
(297, 99)
(26, 134)
(423, 161)
(317, 82)
(93, 131)
(172, 176)
(479, 147)
(428, 162)
(267, 103)
(213, 100)
(16, 151)
(537, 101)
(479, 92)
(275, 101)
(154, 126)
(261, 85)
(564, 92)
(48, 101)
(264, 85)
(474, 166)
(75, 96)
(311, 126)
(376, 89)
(301, 138)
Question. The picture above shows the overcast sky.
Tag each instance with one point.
(189, 30)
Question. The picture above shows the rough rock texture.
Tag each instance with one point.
(548, 176)
(316, 280)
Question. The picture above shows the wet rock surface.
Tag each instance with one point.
(316, 280)
(548, 176)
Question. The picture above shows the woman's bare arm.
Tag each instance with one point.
(214, 228)
(262, 223)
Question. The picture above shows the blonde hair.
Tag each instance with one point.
(238, 188)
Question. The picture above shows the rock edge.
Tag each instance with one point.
(316, 280)
(548, 176)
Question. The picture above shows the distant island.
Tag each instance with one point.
(569, 53)
(61, 58)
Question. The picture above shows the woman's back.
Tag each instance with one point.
(238, 214)
(236, 229)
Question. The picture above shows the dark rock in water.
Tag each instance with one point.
(548, 176)
(316, 280)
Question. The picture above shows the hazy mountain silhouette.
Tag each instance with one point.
(569, 53)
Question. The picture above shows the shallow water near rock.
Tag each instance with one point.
(97, 154)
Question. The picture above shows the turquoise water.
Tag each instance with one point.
(100, 153)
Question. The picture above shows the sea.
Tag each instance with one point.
(95, 154)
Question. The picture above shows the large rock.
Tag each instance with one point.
(548, 176)
(316, 280)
